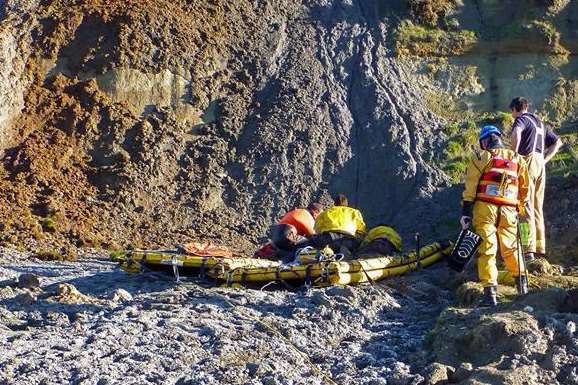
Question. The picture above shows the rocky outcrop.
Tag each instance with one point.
(160, 121)
(179, 130)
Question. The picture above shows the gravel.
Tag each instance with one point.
(147, 329)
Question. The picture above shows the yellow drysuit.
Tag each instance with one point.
(383, 232)
(340, 219)
(497, 184)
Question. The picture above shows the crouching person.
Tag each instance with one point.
(294, 230)
(496, 187)
(339, 227)
(286, 241)
(381, 240)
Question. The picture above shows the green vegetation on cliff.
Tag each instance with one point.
(423, 41)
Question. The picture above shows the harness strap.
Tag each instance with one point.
(308, 275)
(279, 279)
(539, 130)
(203, 268)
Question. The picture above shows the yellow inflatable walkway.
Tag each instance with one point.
(337, 273)
(134, 261)
(251, 270)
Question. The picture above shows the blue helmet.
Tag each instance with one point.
(489, 130)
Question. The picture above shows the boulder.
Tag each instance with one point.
(436, 373)
(482, 337)
(28, 281)
(26, 298)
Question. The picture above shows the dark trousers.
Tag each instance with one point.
(380, 246)
(286, 247)
(336, 241)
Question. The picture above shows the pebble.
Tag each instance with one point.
(28, 281)
(26, 298)
(121, 295)
(320, 299)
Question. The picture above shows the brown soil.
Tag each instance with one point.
(67, 167)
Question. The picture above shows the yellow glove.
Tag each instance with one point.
(522, 214)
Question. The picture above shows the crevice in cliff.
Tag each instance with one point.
(408, 125)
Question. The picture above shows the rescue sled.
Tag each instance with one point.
(332, 272)
(320, 270)
(138, 260)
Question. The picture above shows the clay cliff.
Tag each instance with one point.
(151, 122)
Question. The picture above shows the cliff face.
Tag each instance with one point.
(150, 122)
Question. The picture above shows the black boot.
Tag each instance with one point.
(490, 297)
(522, 284)
(529, 257)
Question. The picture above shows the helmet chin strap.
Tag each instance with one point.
(482, 144)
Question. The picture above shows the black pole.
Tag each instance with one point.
(417, 250)
(520, 256)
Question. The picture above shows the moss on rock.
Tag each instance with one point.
(430, 12)
(423, 41)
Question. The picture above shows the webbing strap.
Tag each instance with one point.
(539, 130)
(174, 262)
(203, 268)
(279, 279)
(308, 275)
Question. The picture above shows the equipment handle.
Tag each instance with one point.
(417, 250)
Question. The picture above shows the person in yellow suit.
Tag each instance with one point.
(340, 227)
(496, 190)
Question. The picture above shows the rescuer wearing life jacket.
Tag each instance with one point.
(537, 144)
(496, 189)
(293, 230)
(380, 240)
(339, 227)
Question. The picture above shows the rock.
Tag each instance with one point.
(121, 295)
(570, 304)
(35, 319)
(252, 368)
(541, 266)
(58, 319)
(28, 281)
(462, 372)
(551, 300)
(241, 301)
(270, 380)
(469, 293)
(470, 335)
(528, 374)
(6, 292)
(341, 291)
(320, 299)
(435, 373)
(554, 358)
(68, 293)
(454, 24)
(26, 298)
(571, 328)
